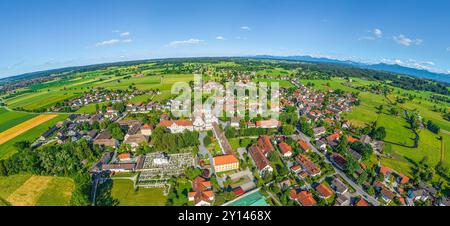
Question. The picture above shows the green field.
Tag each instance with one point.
(57, 193)
(282, 83)
(10, 119)
(123, 190)
(399, 138)
(48, 95)
(7, 149)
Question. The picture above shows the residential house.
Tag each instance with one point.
(311, 168)
(342, 200)
(319, 131)
(338, 161)
(265, 144)
(304, 146)
(339, 186)
(305, 198)
(135, 140)
(202, 194)
(261, 162)
(146, 130)
(285, 149)
(105, 139)
(324, 191)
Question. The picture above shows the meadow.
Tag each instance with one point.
(25, 189)
(123, 190)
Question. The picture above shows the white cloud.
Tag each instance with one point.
(245, 28)
(375, 34)
(123, 34)
(115, 31)
(220, 38)
(411, 63)
(127, 40)
(107, 43)
(403, 40)
(192, 41)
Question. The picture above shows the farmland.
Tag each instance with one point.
(27, 190)
(7, 148)
(23, 127)
(9, 119)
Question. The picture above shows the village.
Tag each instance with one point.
(309, 156)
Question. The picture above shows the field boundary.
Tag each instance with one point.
(24, 127)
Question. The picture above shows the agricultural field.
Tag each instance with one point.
(399, 139)
(24, 127)
(123, 190)
(28, 190)
(7, 148)
(9, 119)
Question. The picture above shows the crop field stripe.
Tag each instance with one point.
(24, 127)
(28, 194)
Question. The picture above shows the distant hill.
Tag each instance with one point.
(393, 68)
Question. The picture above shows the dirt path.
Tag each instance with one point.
(28, 194)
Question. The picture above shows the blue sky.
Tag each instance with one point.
(46, 34)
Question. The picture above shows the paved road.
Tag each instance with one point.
(358, 188)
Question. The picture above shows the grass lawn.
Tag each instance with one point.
(123, 190)
(9, 119)
(7, 149)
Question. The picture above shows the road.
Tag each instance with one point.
(358, 188)
(204, 151)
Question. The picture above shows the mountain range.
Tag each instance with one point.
(392, 68)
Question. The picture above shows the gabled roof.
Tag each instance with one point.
(265, 144)
(285, 148)
(169, 123)
(362, 202)
(324, 190)
(225, 159)
(385, 170)
(258, 156)
(306, 199)
(304, 145)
